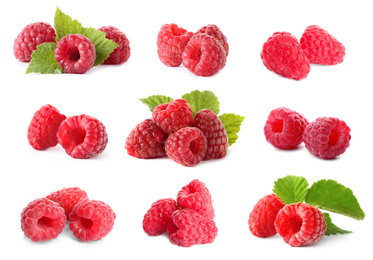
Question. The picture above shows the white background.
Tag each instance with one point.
(244, 87)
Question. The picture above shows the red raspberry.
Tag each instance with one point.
(158, 217)
(171, 42)
(173, 116)
(204, 55)
(91, 220)
(320, 47)
(187, 146)
(30, 37)
(75, 53)
(300, 224)
(42, 220)
(215, 32)
(283, 55)
(327, 137)
(146, 141)
(67, 198)
(120, 53)
(212, 127)
(284, 128)
(82, 136)
(263, 215)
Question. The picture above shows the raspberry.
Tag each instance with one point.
(263, 215)
(75, 53)
(158, 217)
(171, 42)
(327, 137)
(215, 32)
(146, 141)
(300, 224)
(120, 53)
(187, 146)
(212, 127)
(67, 198)
(30, 37)
(43, 127)
(189, 228)
(284, 128)
(42, 220)
(320, 47)
(82, 136)
(204, 55)
(283, 55)
(173, 116)
(91, 220)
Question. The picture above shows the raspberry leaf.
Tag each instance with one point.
(291, 189)
(202, 100)
(43, 60)
(232, 124)
(332, 229)
(64, 25)
(155, 100)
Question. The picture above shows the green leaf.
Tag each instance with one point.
(202, 100)
(332, 229)
(64, 25)
(43, 60)
(334, 197)
(291, 189)
(155, 100)
(232, 124)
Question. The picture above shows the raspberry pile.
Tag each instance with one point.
(188, 220)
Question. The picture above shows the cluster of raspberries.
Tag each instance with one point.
(45, 218)
(284, 55)
(203, 53)
(173, 131)
(326, 137)
(299, 224)
(75, 53)
(81, 136)
(188, 221)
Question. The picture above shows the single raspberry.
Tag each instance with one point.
(171, 42)
(204, 55)
(67, 198)
(75, 53)
(30, 37)
(189, 228)
(173, 116)
(91, 220)
(212, 127)
(120, 53)
(215, 32)
(158, 217)
(284, 128)
(320, 47)
(263, 215)
(42, 220)
(187, 146)
(146, 141)
(82, 136)
(300, 224)
(283, 55)
(327, 137)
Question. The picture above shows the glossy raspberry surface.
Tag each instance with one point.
(121, 53)
(214, 31)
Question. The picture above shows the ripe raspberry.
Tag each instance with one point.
(91, 220)
(120, 53)
(212, 127)
(42, 131)
(215, 32)
(189, 228)
(82, 136)
(283, 55)
(171, 42)
(327, 137)
(146, 141)
(42, 220)
(187, 146)
(320, 47)
(67, 198)
(284, 128)
(263, 215)
(204, 55)
(158, 217)
(173, 116)
(300, 224)
(75, 53)
(30, 37)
